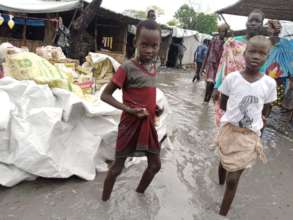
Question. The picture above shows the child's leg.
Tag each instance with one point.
(198, 68)
(154, 166)
(222, 174)
(209, 91)
(231, 187)
(113, 173)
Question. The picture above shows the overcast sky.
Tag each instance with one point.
(170, 7)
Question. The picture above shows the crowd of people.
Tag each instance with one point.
(225, 55)
(242, 73)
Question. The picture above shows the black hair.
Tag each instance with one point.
(258, 11)
(149, 25)
(260, 39)
(149, 11)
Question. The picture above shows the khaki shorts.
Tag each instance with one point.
(238, 148)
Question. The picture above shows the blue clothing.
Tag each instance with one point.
(280, 61)
(200, 53)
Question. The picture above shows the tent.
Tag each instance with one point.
(38, 6)
(273, 9)
(191, 40)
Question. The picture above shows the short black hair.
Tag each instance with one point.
(206, 41)
(260, 39)
(149, 11)
(258, 11)
(147, 24)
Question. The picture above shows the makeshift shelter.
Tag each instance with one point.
(165, 44)
(273, 9)
(109, 31)
(36, 22)
(190, 40)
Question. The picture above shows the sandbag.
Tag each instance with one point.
(29, 66)
(4, 110)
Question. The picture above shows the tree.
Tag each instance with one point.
(206, 23)
(81, 39)
(201, 22)
(186, 16)
(135, 13)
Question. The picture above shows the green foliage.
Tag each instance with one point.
(201, 22)
(135, 13)
(206, 23)
(186, 16)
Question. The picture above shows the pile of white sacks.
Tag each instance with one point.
(52, 133)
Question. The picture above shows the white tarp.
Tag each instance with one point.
(287, 29)
(181, 33)
(38, 6)
(164, 32)
(55, 134)
(190, 43)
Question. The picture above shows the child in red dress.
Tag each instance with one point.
(137, 135)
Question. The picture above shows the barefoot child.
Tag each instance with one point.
(137, 135)
(246, 97)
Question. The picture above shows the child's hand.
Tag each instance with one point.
(159, 111)
(139, 112)
(215, 95)
(264, 119)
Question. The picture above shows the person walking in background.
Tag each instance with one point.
(199, 57)
(212, 60)
(181, 49)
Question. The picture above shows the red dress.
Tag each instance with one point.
(137, 137)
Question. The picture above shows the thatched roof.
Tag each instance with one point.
(273, 9)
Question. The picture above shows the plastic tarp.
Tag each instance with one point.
(55, 134)
(181, 33)
(28, 21)
(164, 32)
(38, 6)
(287, 29)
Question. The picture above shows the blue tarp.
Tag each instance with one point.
(27, 21)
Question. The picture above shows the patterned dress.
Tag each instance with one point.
(137, 137)
(232, 60)
(213, 58)
(279, 66)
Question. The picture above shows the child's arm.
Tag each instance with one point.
(223, 102)
(266, 112)
(159, 111)
(107, 96)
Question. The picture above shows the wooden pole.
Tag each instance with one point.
(96, 35)
(24, 33)
(125, 40)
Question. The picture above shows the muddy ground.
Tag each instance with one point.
(186, 188)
